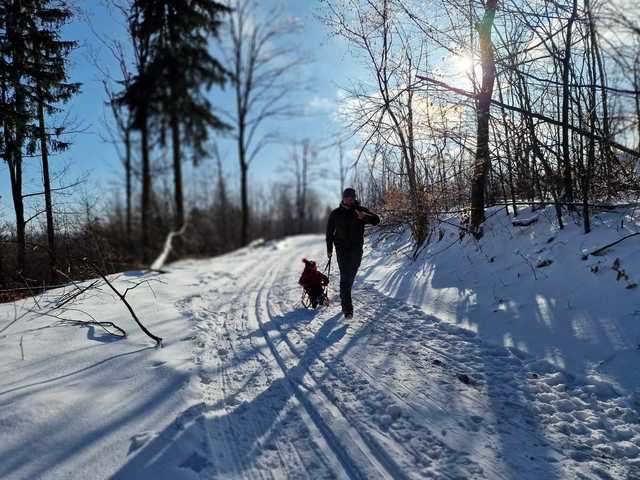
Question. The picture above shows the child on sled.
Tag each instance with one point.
(314, 283)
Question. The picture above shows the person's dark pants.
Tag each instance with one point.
(348, 262)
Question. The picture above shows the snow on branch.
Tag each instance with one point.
(168, 246)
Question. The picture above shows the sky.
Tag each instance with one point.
(95, 161)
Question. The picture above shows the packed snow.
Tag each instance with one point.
(505, 358)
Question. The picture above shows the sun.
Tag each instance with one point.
(462, 64)
(463, 68)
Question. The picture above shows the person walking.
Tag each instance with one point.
(345, 230)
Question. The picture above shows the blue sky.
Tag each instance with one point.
(330, 66)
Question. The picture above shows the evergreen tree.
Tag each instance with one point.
(33, 80)
(182, 55)
(50, 87)
(138, 95)
(170, 91)
(15, 109)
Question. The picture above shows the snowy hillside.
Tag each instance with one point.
(531, 288)
(249, 385)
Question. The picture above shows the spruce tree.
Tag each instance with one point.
(33, 80)
(16, 113)
(139, 96)
(179, 33)
(50, 88)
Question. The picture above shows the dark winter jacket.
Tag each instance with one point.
(345, 230)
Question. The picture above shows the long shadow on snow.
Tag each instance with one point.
(231, 443)
(284, 323)
(159, 394)
(570, 326)
(281, 324)
(515, 459)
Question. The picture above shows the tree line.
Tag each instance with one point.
(160, 114)
(545, 112)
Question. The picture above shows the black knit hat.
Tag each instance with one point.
(349, 192)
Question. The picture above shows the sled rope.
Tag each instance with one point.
(327, 270)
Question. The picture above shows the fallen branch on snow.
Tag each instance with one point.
(598, 251)
(122, 297)
(524, 222)
(106, 326)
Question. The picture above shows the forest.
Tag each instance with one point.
(462, 105)
(330, 239)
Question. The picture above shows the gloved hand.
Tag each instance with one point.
(329, 253)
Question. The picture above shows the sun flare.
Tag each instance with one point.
(462, 65)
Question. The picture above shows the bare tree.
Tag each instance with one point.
(387, 116)
(123, 123)
(302, 166)
(261, 58)
(483, 156)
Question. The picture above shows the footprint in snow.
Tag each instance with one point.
(196, 463)
(138, 441)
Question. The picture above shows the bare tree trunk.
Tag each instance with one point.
(483, 160)
(244, 196)
(128, 186)
(146, 189)
(407, 146)
(605, 146)
(508, 150)
(16, 183)
(566, 93)
(227, 239)
(341, 164)
(584, 176)
(177, 172)
(15, 145)
(537, 152)
(302, 197)
(261, 77)
(15, 173)
(241, 98)
(44, 150)
(591, 149)
(636, 87)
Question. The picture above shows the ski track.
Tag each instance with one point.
(393, 393)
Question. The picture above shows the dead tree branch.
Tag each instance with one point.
(123, 299)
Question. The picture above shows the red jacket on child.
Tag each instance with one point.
(311, 278)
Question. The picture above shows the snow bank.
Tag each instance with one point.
(528, 288)
(81, 400)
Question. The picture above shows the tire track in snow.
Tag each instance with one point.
(230, 387)
(346, 381)
(357, 454)
(326, 379)
(351, 394)
(210, 341)
(307, 417)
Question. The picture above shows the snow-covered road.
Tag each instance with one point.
(292, 393)
(283, 392)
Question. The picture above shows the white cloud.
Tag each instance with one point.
(320, 104)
